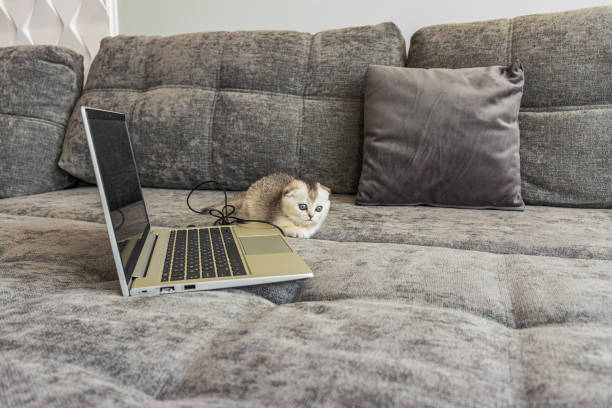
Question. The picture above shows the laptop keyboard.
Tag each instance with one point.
(202, 253)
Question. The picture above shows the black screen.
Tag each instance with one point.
(121, 184)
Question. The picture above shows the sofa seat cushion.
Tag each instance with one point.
(56, 255)
(519, 330)
(548, 231)
(166, 207)
(517, 291)
(345, 353)
(539, 230)
(375, 353)
(63, 317)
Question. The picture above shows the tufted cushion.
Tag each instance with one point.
(566, 110)
(38, 88)
(235, 106)
(380, 325)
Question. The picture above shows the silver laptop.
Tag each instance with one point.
(152, 261)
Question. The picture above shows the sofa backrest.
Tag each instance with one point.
(235, 106)
(566, 110)
(39, 85)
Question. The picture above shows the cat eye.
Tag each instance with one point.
(303, 207)
(319, 208)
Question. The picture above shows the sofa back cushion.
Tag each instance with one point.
(566, 113)
(39, 86)
(235, 106)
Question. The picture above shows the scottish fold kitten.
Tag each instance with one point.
(299, 207)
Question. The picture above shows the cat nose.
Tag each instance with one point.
(310, 215)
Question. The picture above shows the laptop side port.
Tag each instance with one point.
(166, 289)
(189, 287)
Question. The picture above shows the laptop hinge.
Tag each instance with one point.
(140, 270)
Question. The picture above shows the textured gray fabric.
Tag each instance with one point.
(568, 69)
(408, 325)
(548, 231)
(410, 310)
(66, 298)
(371, 353)
(39, 86)
(499, 287)
(278, 293)
(215, 105)
(567, 56)
(442, 137)
(580, 141)
(166, 208)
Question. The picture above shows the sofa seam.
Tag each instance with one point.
(435, 306)
(425, 245)
(566, 108)
(555, 108)
(34, 119)
(509, 42)
(515, 336)
(504, 293)
(211, 142)
(302, 127)
(504, 289)
(250, 321)
(219, 89)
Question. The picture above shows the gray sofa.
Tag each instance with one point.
(409, 306)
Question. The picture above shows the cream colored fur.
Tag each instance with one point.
(276, 198)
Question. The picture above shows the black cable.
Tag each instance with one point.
(224, 215)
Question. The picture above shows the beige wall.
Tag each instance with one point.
(166, 17)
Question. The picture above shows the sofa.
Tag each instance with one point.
(409, 305)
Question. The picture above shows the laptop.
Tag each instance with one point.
(153, 261)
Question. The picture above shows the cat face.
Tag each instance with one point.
(305, 203)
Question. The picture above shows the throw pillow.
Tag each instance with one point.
(447, 137)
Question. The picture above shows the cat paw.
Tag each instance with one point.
(297, 234)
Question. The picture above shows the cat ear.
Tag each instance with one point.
(325, 188)
(288, 191)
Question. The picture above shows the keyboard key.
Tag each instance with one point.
(168, 259)
(193, 255)
(206, 256)
(178, 262)
(221, 262)
(202, 253)
(232, 252)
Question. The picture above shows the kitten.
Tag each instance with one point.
(299, 207)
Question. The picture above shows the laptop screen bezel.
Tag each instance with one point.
(124, 275)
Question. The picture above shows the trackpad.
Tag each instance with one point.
(264, 244)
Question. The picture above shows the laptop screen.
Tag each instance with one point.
(121, 184)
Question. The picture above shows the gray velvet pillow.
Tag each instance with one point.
(447, 137)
